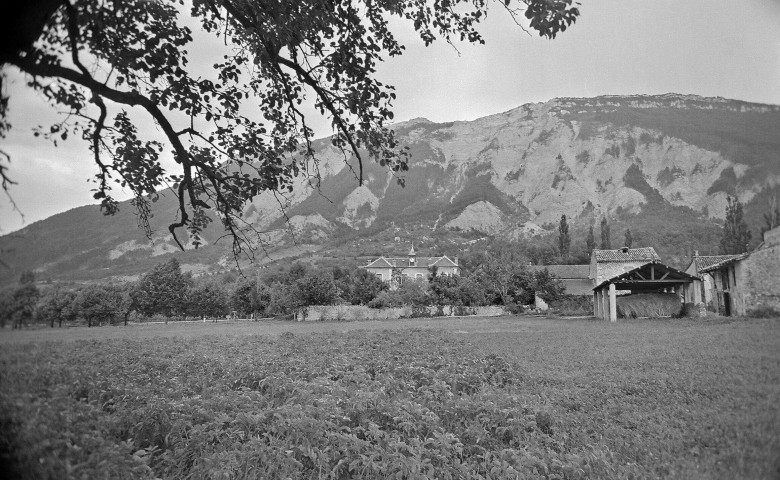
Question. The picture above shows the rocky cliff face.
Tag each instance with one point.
(568, 156)
(506, 174)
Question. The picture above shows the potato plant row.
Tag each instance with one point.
(406, 405)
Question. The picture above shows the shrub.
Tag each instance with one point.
(572, 305)
(763, 311)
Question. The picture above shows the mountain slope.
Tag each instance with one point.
(661, 165)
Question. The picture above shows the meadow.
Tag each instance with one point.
(508, 397)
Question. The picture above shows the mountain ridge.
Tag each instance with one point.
(628, 158)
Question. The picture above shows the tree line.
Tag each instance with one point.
(497, 277)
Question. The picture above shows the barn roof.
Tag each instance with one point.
(564, 271)
(726, 261)
(380, 262)
(704, 261)
(642, 254)
(651, 275)
(403, 262)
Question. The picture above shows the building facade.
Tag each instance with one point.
(748, 282)
(606, 264)
(702, 288)
(412, 266)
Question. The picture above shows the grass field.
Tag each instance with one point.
(507, 397)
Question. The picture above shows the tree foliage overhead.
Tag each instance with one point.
(108, 63)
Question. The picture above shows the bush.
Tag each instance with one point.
(386, 299)
(763, 312)
(572, 305)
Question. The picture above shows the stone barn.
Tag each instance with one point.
(606, 264)
(631, 271)
(750, 282)
(575, 278)
(702, 287)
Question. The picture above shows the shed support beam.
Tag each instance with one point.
(604, 304)
(596, 304)
(612, 303)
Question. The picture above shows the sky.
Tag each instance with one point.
(704, 47)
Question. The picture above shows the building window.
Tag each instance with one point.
(411, 262)
(379, 276)
(418, 275)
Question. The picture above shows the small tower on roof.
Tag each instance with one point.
(412, 257)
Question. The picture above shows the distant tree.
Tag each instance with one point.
(547, 286)
(590, 242)
(5, 306)
(564, 239)
(250, 297)
(96, 303)
(472, 292)
(413, 292)
(317, 288)
(365, 286)
(297, 271)
(606, 242)
(55, 305)
(163, 290)
(504, 277)
(128, 302)
(541, 253)
(27, 277)
(445, 290)
(629, 240)
(22, 304)
(736, 235)
(772, 217)
(397, 277)
(207, 299)
(283, 299)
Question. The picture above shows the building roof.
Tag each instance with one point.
(404, 262)
(642, 254)
(723, 263)
(648, 276)
(704, 261)
(564, 271)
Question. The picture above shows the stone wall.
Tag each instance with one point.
(607, 270)
(351, 313)
(761, 274)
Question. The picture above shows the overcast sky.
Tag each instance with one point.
(720, 48)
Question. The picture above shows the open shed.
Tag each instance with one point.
(650, 277)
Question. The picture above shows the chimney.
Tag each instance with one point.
(456, 260)
(624, 249)
(695, 253)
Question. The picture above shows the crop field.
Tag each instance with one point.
(508, 397)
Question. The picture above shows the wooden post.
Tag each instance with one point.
(612, 303)
(596, 304)
(604, 304)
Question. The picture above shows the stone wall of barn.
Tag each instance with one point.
(760, 275)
